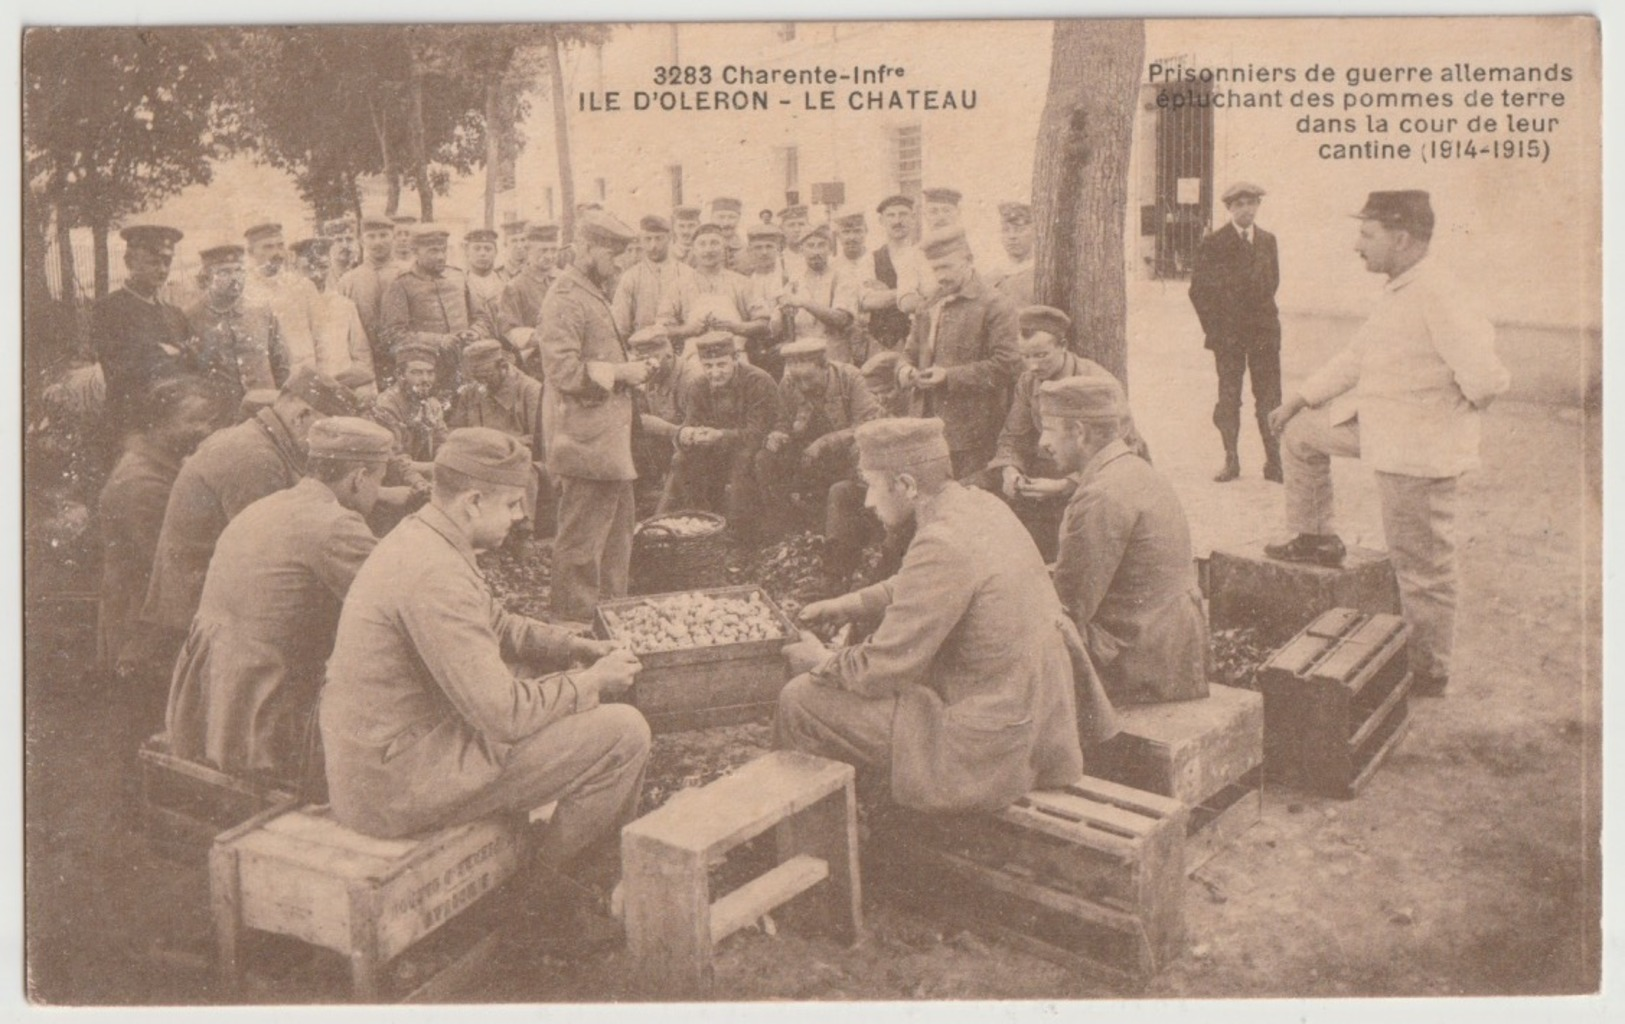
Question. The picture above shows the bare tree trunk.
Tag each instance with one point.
(98, 234)
(561, 139)
(420, 155)
(1080, 182)
(380, 127)
(64, 258)
(493, 146)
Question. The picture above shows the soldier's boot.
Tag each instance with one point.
(1232, 462)
(1272, 450)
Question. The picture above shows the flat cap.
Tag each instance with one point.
(851, 220)
(315, 244)
(649, 340)
(1015, 213)
(797, 210)
(602, 228)
(1094, 398)
(429, 233)
(403, 219)
(417, 352)
(481, 355)
(542, 233)
(215, 255)
(336, 226)
(715, 344)
(727, 203)
(652, 224)
(805, 349)
(487, 455)
(480, 235)
(354, 376)
(349, 438)
(376, 223)
(882, 368)
(951, 196)
(1032, 319)
(1408, 209)
(899, 444)
(262, 231)
(685, 213)
(150, 236)
(1240, 189)
(897, 200)
(321, 392)
(757, 231)
(941, 243)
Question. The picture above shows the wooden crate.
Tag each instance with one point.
(1335, 701)
(184, 805)
(1280, 598)
(1091, 876)
(672, 924)
(705, 686)
(1204, 753)
(299, 873)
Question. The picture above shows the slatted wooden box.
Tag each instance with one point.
(1091, 876)
(1279, 598)
(700, 687)
(1204, 753)
(1335, 702)
(299, 873)
(184, 805)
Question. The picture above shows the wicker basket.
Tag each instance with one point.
(663, 562)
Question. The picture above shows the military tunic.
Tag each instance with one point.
(1127, 579)
(638, 293)
(722, 476)
(521, 307)
(421, 308)
(364, 285)
(246, 682)
(241, 346)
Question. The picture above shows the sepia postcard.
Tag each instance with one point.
(883, 511)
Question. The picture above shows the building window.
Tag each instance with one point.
(786, 31)
(907, 153)
(675, 173)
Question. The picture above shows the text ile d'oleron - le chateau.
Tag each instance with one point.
(684, 88)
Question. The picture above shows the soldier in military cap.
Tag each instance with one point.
(793, 219)
(769, 278)
(1233, 284)
(729, 413)
(1015, 280)
(820, 301)
(515, 251)
(342, 348)
(365, 283)
(685, 221)
(1124, 571)
(236, 344)
(485, 285)
(430, 302)
(941, 209)
(499, 395)
(520, 311)
(138, 338)
(410, 409)
(897, 288)
(661, 407)
(405, 229)
(638, 292)
(244, 690)
(289, 295)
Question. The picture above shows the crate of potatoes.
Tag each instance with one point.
(710, 657)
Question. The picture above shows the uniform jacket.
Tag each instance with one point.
(138, 344)
(231, 469)
(364, 285)
(846, 402)
(970, 642)
(1126, 577)
(972, 333)
(419, 427)
(1017, 285)
(433, 309)
(662, 406)
(588, 426)
(521, 303)
(640, 289)
(242, 346)
(420, 708)
(1018, 441)
(1418, 374)
(131, 510)
(246, 682)
(746, 409)
(486, 295)
(1233, 289)
(515, 408)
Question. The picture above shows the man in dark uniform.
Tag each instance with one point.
(431, 302)
(138, 338)
(245, 686)
(1233, 286)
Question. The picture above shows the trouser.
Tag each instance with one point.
(591, 763)
(1042, 518)
(592, 548)
(835, 723)
(1418, 520)
(651, 456)
(1265, 366)
(717, 479)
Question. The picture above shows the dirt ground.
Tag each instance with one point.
(1469, 866)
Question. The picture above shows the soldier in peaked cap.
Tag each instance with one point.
(410, 409)
(793, 219)
(289, 295)
(499, 395)
(638, 292)
(431, 302)
(137, 337)
(364, 285)
(343, 255)
(587, 413)
(818, 300)
(661, 407)
(1124, 571)
(970, 641)
(897, 288)
(235, 343)
(725, 213)
(514, 252)
(485, 283)
(1015, 279)
(941, 208)
(244, 689)
(1406, 397)
(520, 311)
(1233, 282)
(424, 722)
(685, 221)
(405, 226)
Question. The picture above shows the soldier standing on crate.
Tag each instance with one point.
(425, 725)
(245, 686)
(730, 411)
(963, 695)
(1124, 571)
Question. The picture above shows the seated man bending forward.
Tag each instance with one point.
(424, 723)
(964, 691)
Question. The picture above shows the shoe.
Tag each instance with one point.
(1429, 686)
(1231, 470)
(1272, 471)
(1321, 549)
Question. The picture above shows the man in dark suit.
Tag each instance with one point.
(1233, 289)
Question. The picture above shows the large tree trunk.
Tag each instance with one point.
(98, 234)
(420, 150)
(1080, 182)
(493, 146)
(561, 139)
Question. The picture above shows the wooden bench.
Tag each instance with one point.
(1279, 598)
(1091, 876)
(672, 923)
(297, 872)
(1206, 753)
(184, 805)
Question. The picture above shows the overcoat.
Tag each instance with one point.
(972, 334)
(588, 426)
